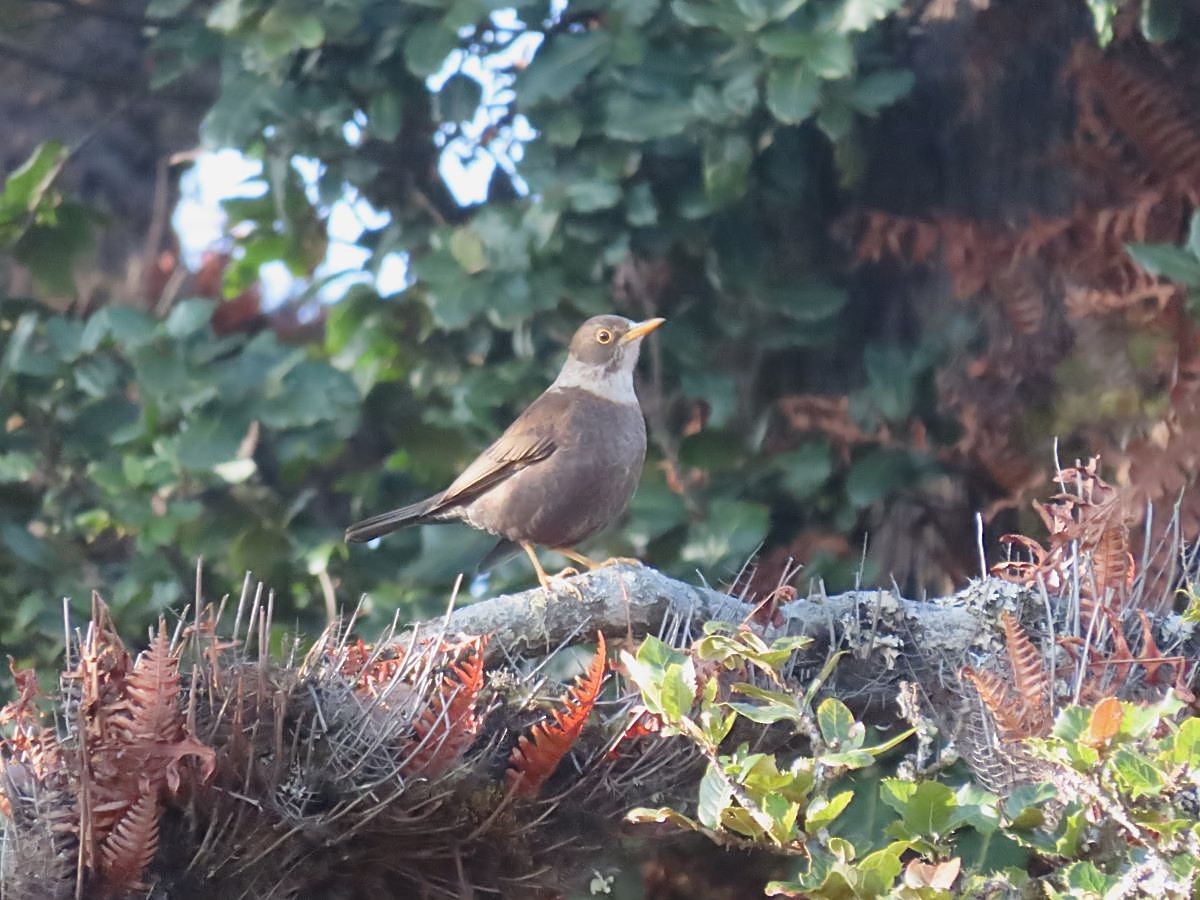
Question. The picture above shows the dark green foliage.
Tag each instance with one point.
(1119, 798)
(132, 447)
(682, 166)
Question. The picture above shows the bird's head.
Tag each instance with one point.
(603, 354)
(612, 342)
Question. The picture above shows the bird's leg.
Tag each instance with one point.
(545, 579)
(592, 564)
(575, 557)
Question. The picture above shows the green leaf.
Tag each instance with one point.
(467, 248)
(714, 796)
(707, 14)
(227, 15)
(768, 713)
(878, 871)
(792, 92)
(740, 93)
(755, 13)
(27, 185)
(665, 815)
(878, 473)
(17, 347)
(859, 15)
(189, 317)
(838, 728)
(385, 114)
(880, 89)
(634, 13)
(1024, 805)
(308, 31)
(1103, 15)
(66, 337)
(427, 47)
(1167, 261)
(1185, 744)
(717, 389)
(563, 128)
(629, 118)
(16, 467)
(312, 392)
(728, 535)
(235, 471)
(588, 195)
(166, 8)
(1139, 776)
(1072, 723)
(641, 210)
(821, 812)
(130, 327)
(678, 690)
(1084, 880)
(926, 809)
(850, 759)
(808, 301)
(560, 65)
(658, 654)
(806, 469)
(1192, 244)
(27, 548)
(50, 251)
(208, 441)
(1161, 19)
(727, 158)
(459, 99)
(827, 53)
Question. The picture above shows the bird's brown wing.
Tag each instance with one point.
(509, 455)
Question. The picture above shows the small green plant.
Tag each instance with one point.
(1115, 802)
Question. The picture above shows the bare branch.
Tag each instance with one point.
(623, 599)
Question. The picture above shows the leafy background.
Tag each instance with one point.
(832, 201)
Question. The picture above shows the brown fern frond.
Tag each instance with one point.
(1151, 657)
(997, 699)
(829, 416)
(1121, 660)
(1112, 565)
(1142, 107)
(131, 845)
(22, 710)
(152, 690)
(1030, 678)
(1021, 295)
(535, 758)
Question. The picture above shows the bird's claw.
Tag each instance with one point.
(623, 561)
(556, 584)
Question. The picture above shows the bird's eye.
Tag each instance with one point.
(603, 336)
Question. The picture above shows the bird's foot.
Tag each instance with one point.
(553, 584)
(557, 584)
(568, 572)
(623, 561)
(592, 564)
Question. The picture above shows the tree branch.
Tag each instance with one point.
(877, 627)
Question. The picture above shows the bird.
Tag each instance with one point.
(564, 470)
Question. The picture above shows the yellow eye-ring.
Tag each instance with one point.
(604, 336)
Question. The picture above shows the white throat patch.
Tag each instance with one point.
(615, 385)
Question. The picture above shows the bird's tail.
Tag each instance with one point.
(385, 523)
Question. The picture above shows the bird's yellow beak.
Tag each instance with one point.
(641, 329)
